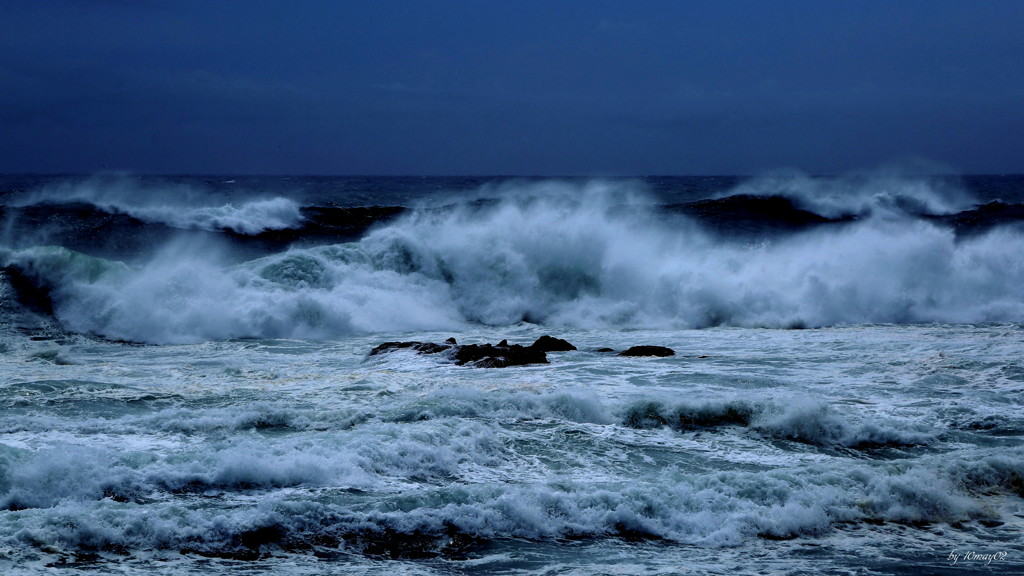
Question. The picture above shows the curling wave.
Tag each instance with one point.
(175, 205)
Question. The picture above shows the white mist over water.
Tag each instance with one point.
(561, 254)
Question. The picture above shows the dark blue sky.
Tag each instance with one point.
(527, 87)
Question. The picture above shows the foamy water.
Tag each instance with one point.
(195, 412)
(889, 455)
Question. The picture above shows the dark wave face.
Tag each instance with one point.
(170, 261)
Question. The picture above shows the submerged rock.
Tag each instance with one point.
(552, 344)
(659, 351)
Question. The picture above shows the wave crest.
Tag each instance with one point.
(880, 193)
(173, 204)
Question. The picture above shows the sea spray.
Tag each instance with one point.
(578, 259)
(555, 253)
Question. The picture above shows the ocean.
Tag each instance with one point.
(187, 384)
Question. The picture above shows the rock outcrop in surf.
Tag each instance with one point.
(498, 355)
(552, 344)
(659, 351)
(420, 347)
(503, 354)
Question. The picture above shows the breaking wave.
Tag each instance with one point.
(442, 473)
(725, 508)
(249, 218)
(806, 422)
(556, 253)
(878, 193)
(175, 205)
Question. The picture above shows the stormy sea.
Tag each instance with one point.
(325, 375)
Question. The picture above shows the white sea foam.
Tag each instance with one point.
(802, 420)
(186, 295)
(296, 449)
(559, 254)
(724, 508)
(574, 257)
(251, 217)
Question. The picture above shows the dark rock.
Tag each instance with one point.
(421, 347)
(480, 355)
(605, 350)
(261, 536)
(500, 356)
(659, 351)
(551, 344)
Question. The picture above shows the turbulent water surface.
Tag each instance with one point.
(187, 386)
